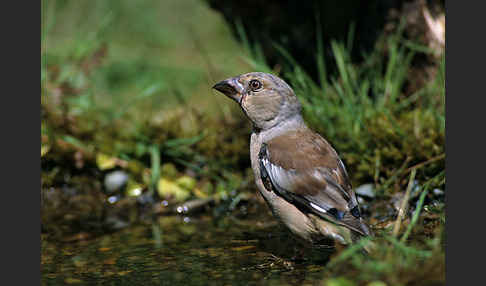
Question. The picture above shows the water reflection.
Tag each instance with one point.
(177, 250)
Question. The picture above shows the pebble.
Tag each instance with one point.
(366, 190)
(115, 180)
(438, 192)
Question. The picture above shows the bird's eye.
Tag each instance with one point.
(255, 85)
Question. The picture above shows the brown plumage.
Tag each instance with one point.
(314, 174)
(297, 171)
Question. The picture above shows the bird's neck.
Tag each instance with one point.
(291, 123)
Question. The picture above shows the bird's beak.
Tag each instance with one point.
(231, 87)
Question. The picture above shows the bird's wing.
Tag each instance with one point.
(304, 169)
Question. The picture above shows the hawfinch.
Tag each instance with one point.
(298, 173)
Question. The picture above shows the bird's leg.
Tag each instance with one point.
(274, 260)
(322, 250)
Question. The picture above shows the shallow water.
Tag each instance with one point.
(177, 250)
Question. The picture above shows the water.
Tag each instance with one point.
(176, 250)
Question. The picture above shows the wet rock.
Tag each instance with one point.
(113, 199)
(438, 192)
(115, 181)
(366, 190)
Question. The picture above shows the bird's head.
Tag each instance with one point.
(266, 99)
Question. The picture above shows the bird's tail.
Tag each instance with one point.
(351, 232)
(369, 245)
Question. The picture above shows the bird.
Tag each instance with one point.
(298, 173)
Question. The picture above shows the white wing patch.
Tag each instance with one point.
(279, 176)
(317, 207)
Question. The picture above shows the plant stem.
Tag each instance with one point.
(401, 211)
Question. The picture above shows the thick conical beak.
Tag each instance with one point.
(231, 87)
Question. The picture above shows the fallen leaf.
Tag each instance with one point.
(105, 162)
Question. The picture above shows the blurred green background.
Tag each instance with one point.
(131, 129)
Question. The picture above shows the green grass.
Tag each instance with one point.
(119, 77)
(393, 258)
(381, 129)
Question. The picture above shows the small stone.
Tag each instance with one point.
(438, 192)
(366, 190)
(113, 199)
(115, 181)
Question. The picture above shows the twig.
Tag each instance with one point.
(420, 165)
(401, 211)
(397, 173)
